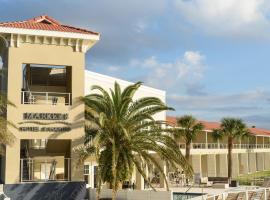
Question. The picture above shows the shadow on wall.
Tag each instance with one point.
(45, 191)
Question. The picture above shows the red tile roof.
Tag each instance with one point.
(214, 125)
(45, 23)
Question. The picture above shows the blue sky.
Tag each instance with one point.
(211, 56)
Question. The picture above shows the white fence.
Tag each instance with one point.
(133, 194)
(245, 193)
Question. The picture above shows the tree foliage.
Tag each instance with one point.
(125, 135)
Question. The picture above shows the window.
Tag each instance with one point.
(86, 172)
(86, 169)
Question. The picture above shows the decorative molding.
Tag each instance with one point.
(79, 42)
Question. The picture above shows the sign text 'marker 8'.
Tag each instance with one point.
(45, 116)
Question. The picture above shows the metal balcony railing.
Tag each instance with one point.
(49, 98)
(43, 170)
(224, 146)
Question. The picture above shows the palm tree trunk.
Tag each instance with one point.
(188, 147)
(98, 183)
(113, 171)
(230, 144)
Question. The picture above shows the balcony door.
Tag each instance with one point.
(45, 169)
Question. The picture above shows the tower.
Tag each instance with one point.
(43, 64)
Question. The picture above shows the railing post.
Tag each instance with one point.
(47, 98)
(21, 170)
(68, 172)
(22, 97)
(246, 195)
(29, 169)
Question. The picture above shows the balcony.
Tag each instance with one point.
(224, 146)
(44, 170)
(46, 98)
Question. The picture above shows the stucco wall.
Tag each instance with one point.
(222, 165)
(235, 165)
(243, 163)
(107, 82)
(252, 162)
(50, 55)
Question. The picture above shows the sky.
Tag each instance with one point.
(211, 56)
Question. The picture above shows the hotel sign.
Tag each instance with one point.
(45, 129)
(45, 116)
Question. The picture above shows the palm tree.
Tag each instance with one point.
(6, 137)
(188, 128)
(231, 128)
(126, 136)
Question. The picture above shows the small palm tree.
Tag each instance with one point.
(126, 136)
(231, 128)
(188, 128)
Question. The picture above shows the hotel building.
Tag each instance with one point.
(44, 65)
(209, 157)
(44, 77)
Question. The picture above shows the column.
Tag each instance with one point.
(139, 181)
(162, 178)
(267, 161)
(204, 166)
(211, 165)
(222, 165)
(260, 161)
(196, 163)
(243, 163)
(235, 165)
(76, 168)
(252, 162)
(12, 163)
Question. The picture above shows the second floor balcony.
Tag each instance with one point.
(224, 146)
(46, 98)
(46, 85)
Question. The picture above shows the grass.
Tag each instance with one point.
(253, 178)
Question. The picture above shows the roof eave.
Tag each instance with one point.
(46, 33)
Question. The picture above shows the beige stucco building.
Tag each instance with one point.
(43, 64)
(44, 77)
(209, 157)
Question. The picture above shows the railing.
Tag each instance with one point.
(43, 170)
(224, 146)
(238, 193)
(51, 98)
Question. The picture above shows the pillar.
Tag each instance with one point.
(162, 178)
(196, 163)
(208, 165)
(260, 161)
(267, 161)
(211, 165)
(12, 164)
(235, 165)
(222, 165)
(243, 163)
(76, 168)
(139, 181)
(252, 162)
(204, 166)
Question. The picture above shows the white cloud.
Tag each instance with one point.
(252, 106)
(193, 57)
(185, 71)
(232, 18)
(113, 68)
